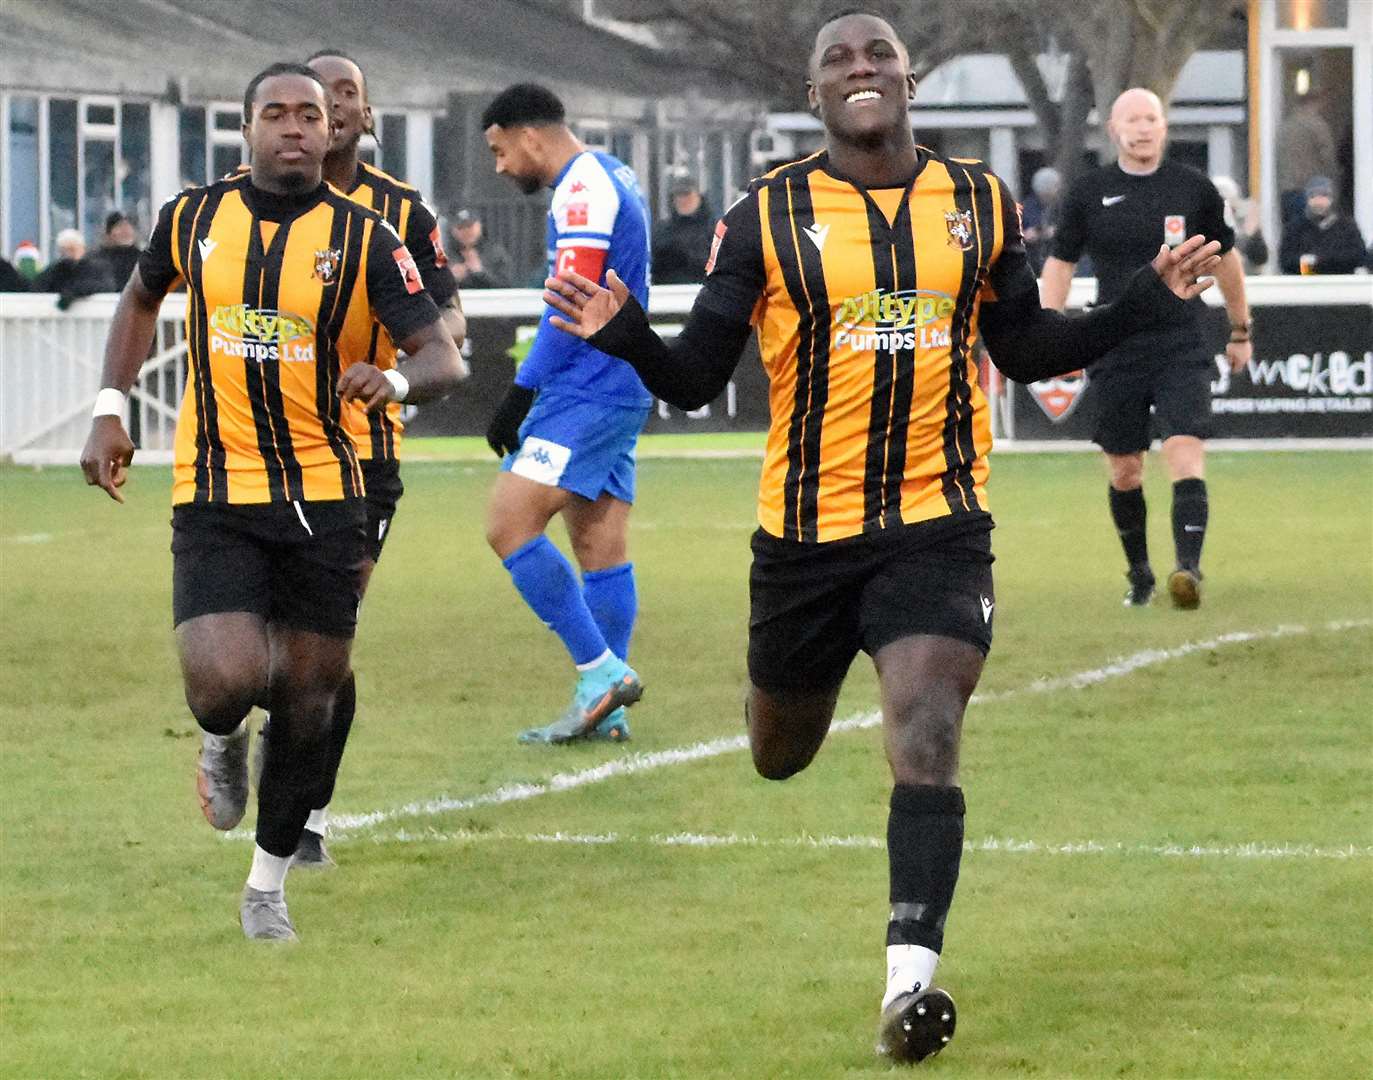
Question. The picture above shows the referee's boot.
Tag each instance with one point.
(1141, 590)
(916, 1026)
(221, 777)
(1184, 586)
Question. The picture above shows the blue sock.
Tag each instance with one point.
(613, 602)
(548, 584)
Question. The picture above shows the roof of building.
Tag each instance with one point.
(414, 52)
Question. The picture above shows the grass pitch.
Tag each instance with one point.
(1170, 828)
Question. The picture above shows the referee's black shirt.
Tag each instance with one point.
(1120, 220)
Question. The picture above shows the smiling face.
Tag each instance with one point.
(1138, 128)
(349, 111)
(289, 133)
(860, 79)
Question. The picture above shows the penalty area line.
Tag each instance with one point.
(636, 763)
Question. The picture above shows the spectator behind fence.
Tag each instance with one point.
(1306, 148)
(119, 249)
(62, 271)
(1242, 215)
(1040, 215)
(681, 241)
(28, 260)
(478, 262)
(11, 280)
(106, 269)
(1321, 241)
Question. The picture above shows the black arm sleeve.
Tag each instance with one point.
(694, 369)
(1028, 343)
(395, 289)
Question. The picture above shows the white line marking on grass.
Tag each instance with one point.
(634, 764)
(988, 845)
(28, 538)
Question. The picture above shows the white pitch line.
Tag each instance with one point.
(634, 764)
(988, 845)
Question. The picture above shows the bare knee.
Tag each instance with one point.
(1127, 471)
(219, 699)
(923, 741)
(785, 736)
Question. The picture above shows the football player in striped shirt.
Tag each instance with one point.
(866, 272)
(376, 433)
(285, 280)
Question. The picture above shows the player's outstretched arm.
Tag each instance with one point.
(693, 371)
(108, 450)
(433, 367)
(1028, 342)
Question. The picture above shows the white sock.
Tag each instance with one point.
(909, 967)
(269, 871)
(318, 821)
(220, 741)
(597, 662)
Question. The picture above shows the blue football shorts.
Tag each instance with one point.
(585, 447)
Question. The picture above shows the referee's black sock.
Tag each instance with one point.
(924, 849)
(1190, 513)
(1129, 514)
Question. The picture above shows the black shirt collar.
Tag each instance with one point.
(272, 207)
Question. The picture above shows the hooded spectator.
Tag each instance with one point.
(1321, 241)
(477, 262)
(681, 241)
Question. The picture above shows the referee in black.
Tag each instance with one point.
(1120, 215)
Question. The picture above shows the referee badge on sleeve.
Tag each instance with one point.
(1174, 229)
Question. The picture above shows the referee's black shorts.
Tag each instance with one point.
(384, 489)
(1153, 385)
(295, 564)
(814, 607)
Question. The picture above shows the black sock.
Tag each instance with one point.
(1129, 512)
(1190, 511)
(345, 705)
(295, 759)
(924, 847)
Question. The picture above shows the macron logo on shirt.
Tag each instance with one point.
(817, 233)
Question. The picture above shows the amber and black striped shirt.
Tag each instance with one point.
(865, 303)
(377, 434)
(281, 297)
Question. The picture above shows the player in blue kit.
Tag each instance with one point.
(568, 425)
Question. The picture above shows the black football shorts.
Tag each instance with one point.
(296, 564)
(384, 489)
(1151, 386)
(814, 607)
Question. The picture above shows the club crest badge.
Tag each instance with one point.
(960, 223)
(1174, 229)
(326, 264)
(1059, 396)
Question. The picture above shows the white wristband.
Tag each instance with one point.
(109, 402)
(399, 383)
